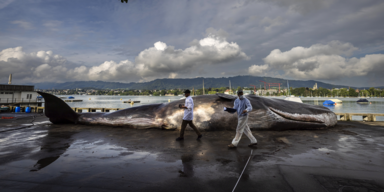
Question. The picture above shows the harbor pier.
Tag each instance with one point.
(366, 116)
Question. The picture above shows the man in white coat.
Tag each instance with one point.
(243, 107)
(188, 116)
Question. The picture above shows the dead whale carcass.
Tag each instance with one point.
(267, 113)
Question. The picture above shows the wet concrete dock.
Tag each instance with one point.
(39, 156)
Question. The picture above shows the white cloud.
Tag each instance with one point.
(258, 70)
(4, 3)
(320, 62)
(172, 75)
(42, 66)
(163, 59)
(16, 53)
(155, 62)
(23, 24)
(278, 59)
(160, 46)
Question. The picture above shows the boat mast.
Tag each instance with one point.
(289, 94)
(203, 88)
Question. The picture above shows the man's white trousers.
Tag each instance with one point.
(242, 126)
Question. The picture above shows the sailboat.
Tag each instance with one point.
(292, 97)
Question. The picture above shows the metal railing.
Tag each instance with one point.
(10, 100)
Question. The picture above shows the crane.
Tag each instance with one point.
(269, 85)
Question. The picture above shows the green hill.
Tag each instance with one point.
(197, 83)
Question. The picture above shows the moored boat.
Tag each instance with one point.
(362, 101)
(4, 108)
(329, 102)
(336, 100)
(294, 99)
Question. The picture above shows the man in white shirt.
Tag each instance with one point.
(242, 106)
(188, 116)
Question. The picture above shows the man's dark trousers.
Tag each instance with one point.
(184, 125)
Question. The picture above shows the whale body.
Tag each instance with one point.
(267, 113)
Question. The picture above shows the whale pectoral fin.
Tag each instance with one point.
(298, 117)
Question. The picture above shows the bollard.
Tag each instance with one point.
(348, 117)
(169, 100)
(28, 110)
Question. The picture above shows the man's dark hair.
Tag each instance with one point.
(240, 91)
(187, 91)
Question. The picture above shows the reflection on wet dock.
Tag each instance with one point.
(47, 157)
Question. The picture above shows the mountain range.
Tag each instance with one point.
(197, 83)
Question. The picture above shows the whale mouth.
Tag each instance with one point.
(299, 117)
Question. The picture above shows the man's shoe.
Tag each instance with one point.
(252, 144)
(199, 137)
(231, 146)
(179, 139)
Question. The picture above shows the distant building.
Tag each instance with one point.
(357, 90)
(247, 92)
(169, 94)
(228, 92)
(270, 91)
(315, 86)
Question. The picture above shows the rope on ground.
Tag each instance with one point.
(243, 171)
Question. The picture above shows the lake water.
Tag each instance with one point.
(349, 105)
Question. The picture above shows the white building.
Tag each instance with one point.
(247, 92)
(315, 87)
(17, 93)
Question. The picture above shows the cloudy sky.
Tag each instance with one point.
(335, 41)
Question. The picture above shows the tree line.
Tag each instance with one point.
(301, 91)
(343, 92)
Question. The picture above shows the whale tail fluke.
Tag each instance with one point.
(57, 110)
